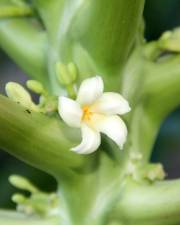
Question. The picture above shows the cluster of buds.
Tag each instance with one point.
(170, 41)
(67, 75)
(38, 203)
(138, 171)
(90, 108)
(19, 94)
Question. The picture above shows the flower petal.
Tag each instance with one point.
(90, 90)
(112, 126)
(70, 111)
(111, 103)
(90, 141)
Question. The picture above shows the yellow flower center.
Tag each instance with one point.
(86, 113)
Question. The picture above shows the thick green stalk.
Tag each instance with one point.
(88, 197)
(14, 218)
(152, 88)
(39, 140)
(155, 204)
(102, 34)
(72, 30)
(14, 11)
(106, 30)
(161, 91)
(74, 37)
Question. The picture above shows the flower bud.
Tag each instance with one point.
(18, 198)
(35, 86)
(66, 74)
(22, 183)
(18, 94)
(170, 40)
(73, 71)
(154, 172)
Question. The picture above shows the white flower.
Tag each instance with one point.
(94, 111)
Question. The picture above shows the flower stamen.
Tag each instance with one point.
(86, 113)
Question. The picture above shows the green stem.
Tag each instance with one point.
(160, 98)
(14, 11)
(106, 52)
(14, 218)
(41, 141)
(99, 186)
(71, 91)
(156, 204)
(73, 35)
(150, 87)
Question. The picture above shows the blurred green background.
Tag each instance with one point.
(160, 15)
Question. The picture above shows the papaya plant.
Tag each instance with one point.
(72, 51)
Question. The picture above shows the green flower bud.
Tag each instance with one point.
(66, 74)
(51, 104)
(38, 202)
(35, 86)
(18, 94)
(154, 172)
(22, 183)
(19, 198)
(73, 71)
(170, 40)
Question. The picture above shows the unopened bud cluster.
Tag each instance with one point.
(138, 171)
(170, 40)
(67, 75)
(19, 94)
(38, 203)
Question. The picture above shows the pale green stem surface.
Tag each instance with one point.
(156, 204)
(73, 35)
(14, 218)
(152, 89)
(38, 140)
(13, 11)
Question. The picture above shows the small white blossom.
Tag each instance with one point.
(94, 111)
